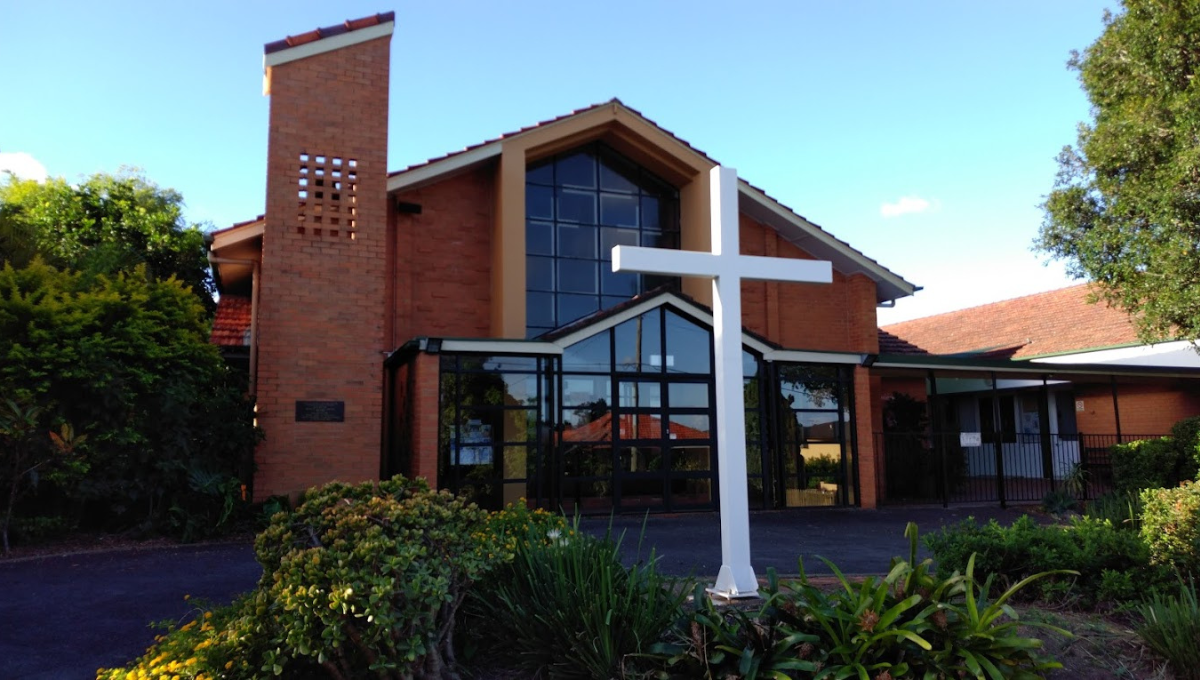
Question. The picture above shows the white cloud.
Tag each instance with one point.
(904, 206)
(22, 165)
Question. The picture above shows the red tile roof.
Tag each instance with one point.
(1055, 322)
(648, 427)
(231, 326)
(328, 32)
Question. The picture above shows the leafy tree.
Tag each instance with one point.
(126, 359)
(107, 224)
(1125, 210)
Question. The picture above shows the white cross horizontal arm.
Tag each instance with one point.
(664, 262)
(691, 263)
(758, 268)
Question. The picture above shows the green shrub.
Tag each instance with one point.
(1171, 628)
(126, 360)
(1146, 464)
(1186, 435)
(1121, 509)
(28, 530)
(368, 579)
(358, 582)
(1171, 526)
(565, 607)
(907, 624)
(1087, 546)
(1059, 502)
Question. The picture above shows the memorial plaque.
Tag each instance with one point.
(320, 411)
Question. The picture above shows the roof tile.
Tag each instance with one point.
(1055, 322)
(231, 326)
(328, 32)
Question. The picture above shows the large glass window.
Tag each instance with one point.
(492, 428)
(578, 206)
(814, 417)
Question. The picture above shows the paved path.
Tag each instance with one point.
(857, 541)
(66, 616)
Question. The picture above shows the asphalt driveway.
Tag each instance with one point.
(66, 616)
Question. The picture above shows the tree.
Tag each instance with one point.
(126, 359)
(107, 224)
(1125, 209)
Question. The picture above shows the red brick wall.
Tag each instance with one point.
(1145, 409)
(837, 317)
(869, 414)
(425, 413)
(321, 321)
(443, 259)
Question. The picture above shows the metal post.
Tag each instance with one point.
(1116, 408)
(1044, 432)
(935, 422)
(997, 442)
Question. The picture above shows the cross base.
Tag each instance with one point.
(728, 587)
(725, 595)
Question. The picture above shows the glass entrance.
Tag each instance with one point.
(637, 430)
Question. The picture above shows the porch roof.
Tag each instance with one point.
(900, 364)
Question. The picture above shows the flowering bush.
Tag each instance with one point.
(360, 581)
(217, 643)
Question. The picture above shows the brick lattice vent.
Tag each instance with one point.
(326, 191)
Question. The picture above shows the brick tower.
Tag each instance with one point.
(324, 257)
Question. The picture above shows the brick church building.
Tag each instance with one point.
(459, 320)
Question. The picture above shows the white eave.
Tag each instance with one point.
(234, 235)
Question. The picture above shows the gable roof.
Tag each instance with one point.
(753, 202)
(1055, 322)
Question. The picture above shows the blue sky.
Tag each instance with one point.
(923, 133)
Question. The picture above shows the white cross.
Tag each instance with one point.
(727, 269)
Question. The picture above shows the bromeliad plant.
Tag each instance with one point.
(909, 624)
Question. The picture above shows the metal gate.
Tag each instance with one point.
(993, 467)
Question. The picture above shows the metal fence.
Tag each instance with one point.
(950, 467)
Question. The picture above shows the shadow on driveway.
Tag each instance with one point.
(66, 616)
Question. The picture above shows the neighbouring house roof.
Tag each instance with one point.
(646, 426)
(891, 344)
(1055, 322)
(231, 326)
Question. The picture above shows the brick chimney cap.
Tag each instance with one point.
(328, 32)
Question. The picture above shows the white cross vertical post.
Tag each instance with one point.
(727, 269)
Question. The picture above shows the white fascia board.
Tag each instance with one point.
(501, 347)
(1042, 368)
(237, 235)
(1177, 354)
(447, 166)
(329, 44)
(873, 269)
(641, 308)
(810, 357)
